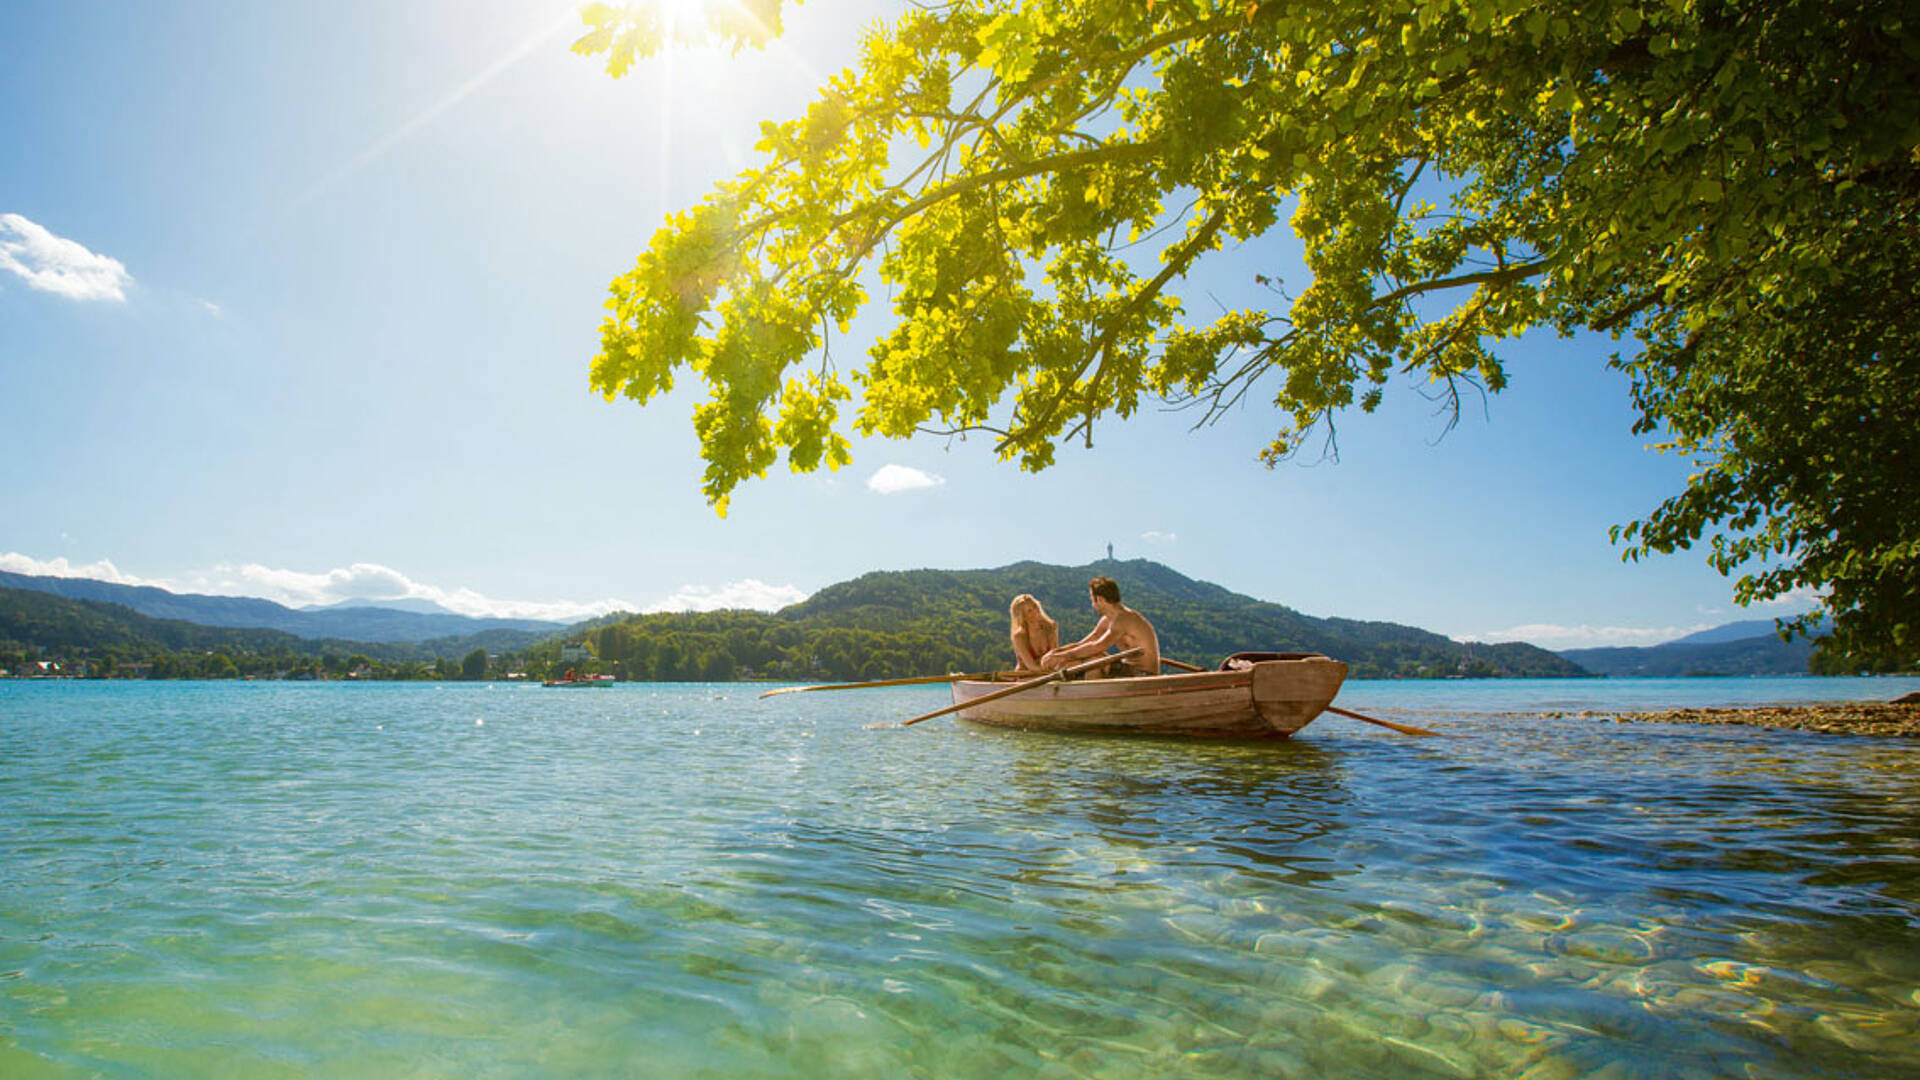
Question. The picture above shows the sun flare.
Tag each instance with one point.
(702, 24)
(683, 15)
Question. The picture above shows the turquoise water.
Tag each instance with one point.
(1467, 697)
(302, 880)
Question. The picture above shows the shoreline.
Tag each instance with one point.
(1852, 718)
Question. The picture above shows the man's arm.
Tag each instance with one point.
(1093, 644)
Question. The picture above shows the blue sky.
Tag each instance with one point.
(297, 300)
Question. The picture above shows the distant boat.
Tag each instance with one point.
(1253, 696)
(581, 680)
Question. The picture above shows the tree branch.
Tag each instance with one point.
(1511, 275)
(1176, 265)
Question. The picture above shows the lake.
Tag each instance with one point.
(480, 880)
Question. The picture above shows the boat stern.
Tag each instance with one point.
(1289, 693)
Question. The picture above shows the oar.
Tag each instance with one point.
(882, 682)
(1022, 687)
(1404, 729)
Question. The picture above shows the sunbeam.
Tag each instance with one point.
(433, 112)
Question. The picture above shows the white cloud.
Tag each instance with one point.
(1159, 539)
(1550, 636)
(104, 570)
(57, 265)
(747, 593)
(894, 479)
(297, 588)
(372, 582)
(467, 602)
(1802, 598)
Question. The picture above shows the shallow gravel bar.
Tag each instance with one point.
(1861, 718)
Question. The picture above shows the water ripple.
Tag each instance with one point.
(481, 881)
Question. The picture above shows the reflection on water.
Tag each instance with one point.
(472, 881)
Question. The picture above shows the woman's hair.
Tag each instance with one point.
(1024, 603)
(1026, 614)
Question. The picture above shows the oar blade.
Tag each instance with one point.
(914, 680)
(1404, 729)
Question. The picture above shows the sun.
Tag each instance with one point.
(698, 24)
(684, 16)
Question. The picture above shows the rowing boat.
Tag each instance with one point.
(1253, 696)
(580, 680)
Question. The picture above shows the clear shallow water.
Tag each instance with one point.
(1482, 696)
(466, 881)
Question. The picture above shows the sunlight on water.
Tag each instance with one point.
(461, 881)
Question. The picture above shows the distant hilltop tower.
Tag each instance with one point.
(1109, 551)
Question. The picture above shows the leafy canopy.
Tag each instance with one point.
(1729, 186)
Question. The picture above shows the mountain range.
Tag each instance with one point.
(418, 605)
(1195, 620)
(922, 622)
(35, 623)
(1749, 647)
(913, 618)
(348, 621)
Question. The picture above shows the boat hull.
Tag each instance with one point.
(1267, 699)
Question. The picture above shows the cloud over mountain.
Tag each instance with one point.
(1551, 636)
(747, 593)
(14, 562)
(374, 584)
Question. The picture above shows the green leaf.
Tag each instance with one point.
(1736, 198)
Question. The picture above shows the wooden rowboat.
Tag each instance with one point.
(1254, 696)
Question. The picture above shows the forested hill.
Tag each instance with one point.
(38, 620)
(373, 624)
(41, 625)
(923, 622)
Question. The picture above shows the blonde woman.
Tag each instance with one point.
(1034, 635)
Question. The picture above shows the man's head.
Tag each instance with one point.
(1103, 588)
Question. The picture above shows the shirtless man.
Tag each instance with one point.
(1120, 627)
